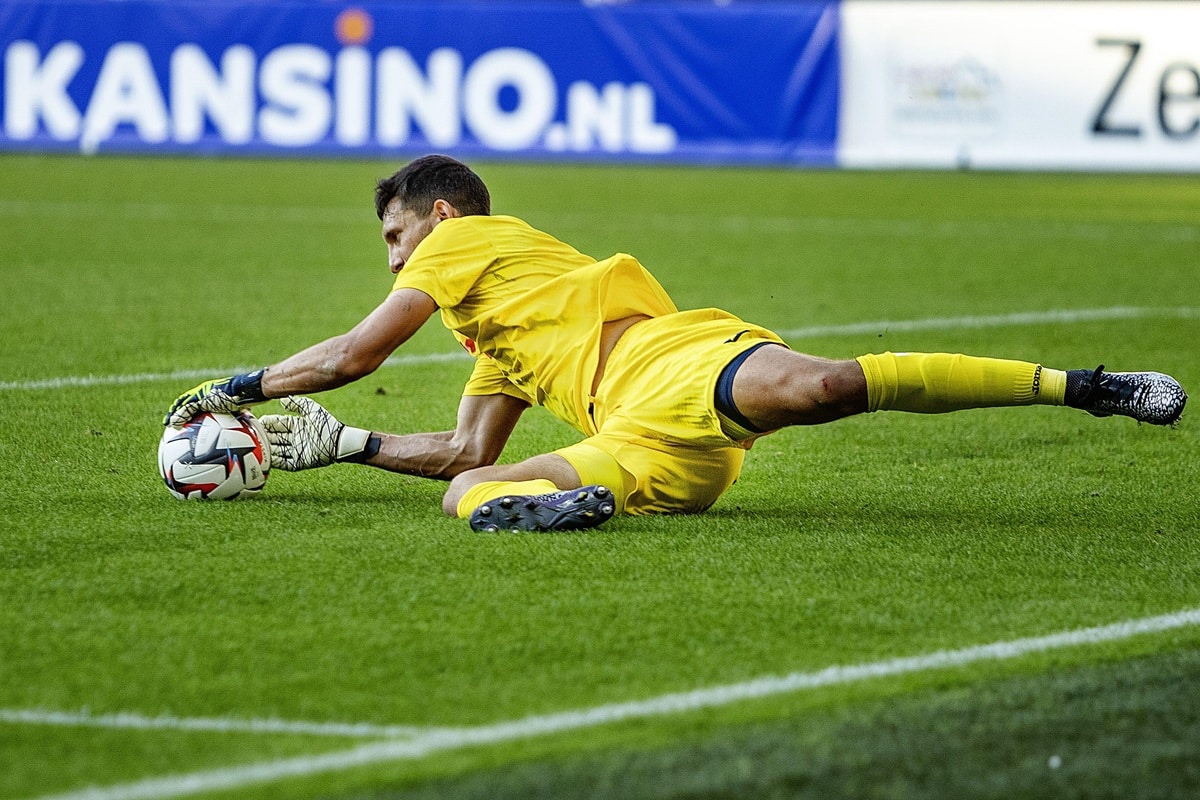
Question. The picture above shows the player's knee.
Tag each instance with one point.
(455, 491)
(778, 387)
(821, 390)
(818, 384)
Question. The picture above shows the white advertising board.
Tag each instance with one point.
(1019, 85)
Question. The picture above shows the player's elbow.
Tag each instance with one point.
(472, 452)
(349, 370)
(350, 363)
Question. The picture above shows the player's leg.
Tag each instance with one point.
(582, 485)
(775, 387)
(541, 493)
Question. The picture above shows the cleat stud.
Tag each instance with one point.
(601, 491)
(492, 529)
(606, 509)
(506, 503)
(484, 511)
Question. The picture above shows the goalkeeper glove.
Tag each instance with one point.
(223, 395)
(314, 438)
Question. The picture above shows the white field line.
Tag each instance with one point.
(439, 740)
(84, 719)
(853, 329)
(85, 381)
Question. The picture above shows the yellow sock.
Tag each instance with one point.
(1053, 391)
(480, 493)
(932, 383)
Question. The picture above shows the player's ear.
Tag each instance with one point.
(444, 210)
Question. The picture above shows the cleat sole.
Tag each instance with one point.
(574, 509)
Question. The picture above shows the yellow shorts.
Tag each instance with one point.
(659, 444)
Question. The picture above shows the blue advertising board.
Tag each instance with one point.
(749, 82)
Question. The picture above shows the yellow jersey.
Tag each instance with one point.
(529, 307)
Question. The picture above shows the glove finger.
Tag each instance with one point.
(278, 446)
(179, 403)
(280, 442)
(292, 403)
(218, 400)
(190, 396)
(281, 452)
(276, 423)
(181, 414)
(307, 406)
(287, 464)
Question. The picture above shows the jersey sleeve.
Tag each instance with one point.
(487, 378)
(448, 262)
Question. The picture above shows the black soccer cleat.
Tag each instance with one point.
(1146, 396)
(568, 510)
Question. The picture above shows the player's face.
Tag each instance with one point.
(403, 230)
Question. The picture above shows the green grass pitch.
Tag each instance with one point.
(146, 643)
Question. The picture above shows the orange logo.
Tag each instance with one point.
(353, 27)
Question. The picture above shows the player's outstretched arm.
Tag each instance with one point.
(326, 365)
(312, 437)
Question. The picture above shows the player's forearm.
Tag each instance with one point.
(427, 455)
(323, 366)
(354, 354)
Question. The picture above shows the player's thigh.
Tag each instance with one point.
(651, 477)
(661, 378)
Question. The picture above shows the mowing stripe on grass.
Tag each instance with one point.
(140, 211)
(84, 719)
(444, 739)
(891, 228)
(1019, 319)
(263, 214)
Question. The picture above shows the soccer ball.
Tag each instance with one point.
(215, 457)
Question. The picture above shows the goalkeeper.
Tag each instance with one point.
(668, 401)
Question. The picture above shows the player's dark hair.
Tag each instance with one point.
(430, 178)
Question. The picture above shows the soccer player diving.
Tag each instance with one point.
(668, 401)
